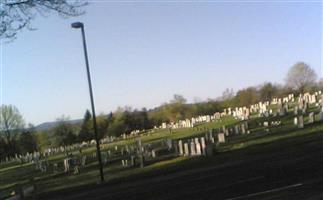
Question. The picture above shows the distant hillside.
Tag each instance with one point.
(48, 125)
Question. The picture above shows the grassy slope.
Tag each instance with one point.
(12, 175)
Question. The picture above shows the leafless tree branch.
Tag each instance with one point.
(18, 14)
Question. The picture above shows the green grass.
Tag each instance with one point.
(14, 174)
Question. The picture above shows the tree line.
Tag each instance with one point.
(16, 138)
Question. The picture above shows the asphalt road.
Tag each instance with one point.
(290, 169)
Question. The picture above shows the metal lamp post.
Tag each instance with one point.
(98, 151)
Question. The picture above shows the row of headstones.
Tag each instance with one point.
(238, 129)
(75, 163)
(132, 162)
(272, 123)
(243, 113)
(69, 163)
(189, 123)
(198, 146)
(299, 120)
(142, 152)
(23, 158)
(62, 149)
(36, 156)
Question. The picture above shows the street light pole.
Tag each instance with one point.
(98, 151)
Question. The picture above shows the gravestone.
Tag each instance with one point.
(295, 110)
(192, 148)
(295, 121)
(133, 161)
(203, 145)
(300, 122)
(123, 163)
(280, 109)
(211, 138)
(186, 151)
(140, 152)
(221, 138)
(198, 148)
(226, 132)
(246, 125)
(169, 143)
(236, 129)
(67, 164)
(243, 129)
(77, 169)
(180, 147)
(83, 161)
(153, 153)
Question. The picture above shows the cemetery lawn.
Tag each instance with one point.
(283, 168)
(237, 149)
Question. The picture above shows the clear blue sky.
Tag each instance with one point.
(143, 53)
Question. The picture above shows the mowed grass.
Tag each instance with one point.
(15, 174)
(226, 158)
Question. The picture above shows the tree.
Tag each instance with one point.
(247, 96)
(320, 84)
(3, 149)
(227, 94)
(300, 77)
(11, 122)
(86, 132)
(267, 91)
(102, 126)
(179, 99)
(27, 140)
(18, 14)
(64, 133)
(44, 139)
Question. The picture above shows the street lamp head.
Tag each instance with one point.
(77, 25)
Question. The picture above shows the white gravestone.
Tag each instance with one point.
(186, 151)
(203, 145)
(221, 138)
(300, 122)
(180, 147)
(295, 121)
(193, 150)
(198, 148)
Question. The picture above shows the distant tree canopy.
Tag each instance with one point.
(125, 120)
(226, 95)
(18, 14)
(27, 140)
(178, 109)
(268, 91)
(11, 123)
(86, 132)
(301, 77)
(14, 137)
(247, 96)
(64, 133)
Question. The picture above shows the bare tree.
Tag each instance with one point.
(300, 76)
(178, 99)
(11, 122)
(18, 14)
(227, 94)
